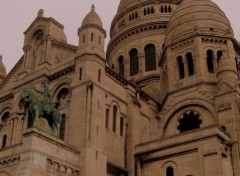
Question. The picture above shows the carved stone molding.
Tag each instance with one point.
(55, 168)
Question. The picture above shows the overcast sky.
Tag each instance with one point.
(17, 15)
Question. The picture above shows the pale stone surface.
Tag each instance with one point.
(138, 125)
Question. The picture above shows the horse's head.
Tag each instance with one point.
(26, 96)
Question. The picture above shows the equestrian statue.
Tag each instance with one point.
(42, 108)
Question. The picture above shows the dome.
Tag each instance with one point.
(92, 18)
(126, 3)
(197, 17)
(3, 71)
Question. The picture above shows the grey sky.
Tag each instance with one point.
(17, 15)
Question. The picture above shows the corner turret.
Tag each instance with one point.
(92, 35)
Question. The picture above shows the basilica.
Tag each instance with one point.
(162, 100)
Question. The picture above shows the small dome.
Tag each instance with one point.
(197, 17)
(92, 18)
(3, 72)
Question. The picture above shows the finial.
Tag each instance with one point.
(40, 13)
(93, 7)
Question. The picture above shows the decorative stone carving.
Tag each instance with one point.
(55, 168)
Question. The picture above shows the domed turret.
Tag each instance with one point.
(197, 17)
(3, 72)
(198, 46)
(92, 35)
(92, 18)
(126, 3)
(137, 34)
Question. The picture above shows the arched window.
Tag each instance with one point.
(62, 127)
(162, 9)
(166, 9)
(180, 67)
(63, 98)
(152, 10)
(136, 15)
(99, 75)
(121, 65)
(219, 55)
(169, 9)
(5, 116)
(145, 12)
(4, 141)
(114, 118)
(189, 121)
(113, 66)
(91, 37)
(107, 119)
(190, 64)
(121, 126)
(150, 57)
(134, 62)
(169, 171)
(83, 38)
(210, 61)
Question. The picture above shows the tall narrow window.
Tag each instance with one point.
(121, 126)
(180, 67)
(145, 12)
(83, 38)
(114, 118)
(107, 119)
(219, 55)
(62, 127)
(99, 40)
(150, 57)
(162, 9)
(4, 141)
(121, 65)
(99, 75)
(113, 66)
(91, 37)
(80, 74)
(169, 171)
(190, 64)
(210, 61)
(134, 62)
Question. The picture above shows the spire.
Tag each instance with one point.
(93, 7)
(40, 13)
(3, 71)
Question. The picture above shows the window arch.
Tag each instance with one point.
(107, 119)
(114, 118)
(62, 127)
(190, 64)
(210, 61)
(150, 57)
(63, 98)
(4, 141)
(5, 116)
(121, 65)
(134, 62)
(169, 171)
(180, 67)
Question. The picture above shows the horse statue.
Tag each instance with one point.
(41, 108)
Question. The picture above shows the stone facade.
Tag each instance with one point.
(164, 99)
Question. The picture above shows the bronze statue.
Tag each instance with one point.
(43, 108)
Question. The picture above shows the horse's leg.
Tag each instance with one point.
(33, 118)
(36, 117)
